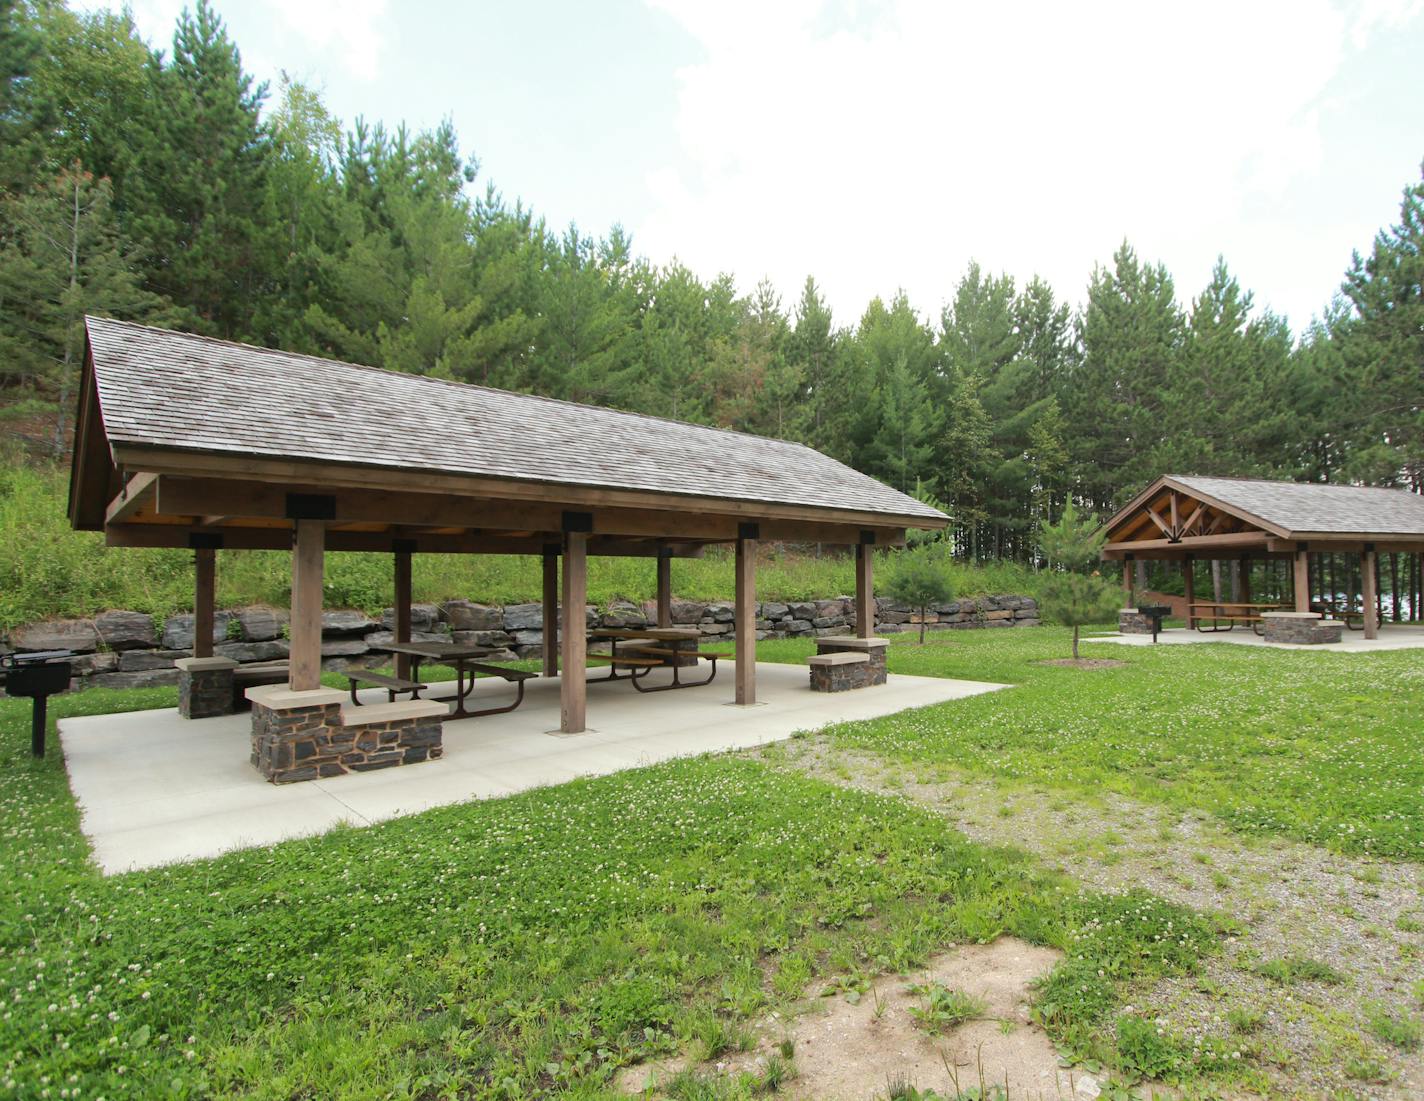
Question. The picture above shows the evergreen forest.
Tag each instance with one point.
(166, 186)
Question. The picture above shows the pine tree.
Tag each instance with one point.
(1074, 593)
(920, 578)
(1383, 345)
(588, 315)
(1132, 332)
(62, 258)
(194, 199)
(812, 355)
(891, 423)
(302, 208)
(964, 453)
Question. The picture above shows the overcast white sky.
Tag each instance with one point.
(884, 145)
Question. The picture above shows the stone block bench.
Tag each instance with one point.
(318, 733)
(1300, 628)
(843, 663)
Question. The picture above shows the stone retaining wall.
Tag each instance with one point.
(125, 649)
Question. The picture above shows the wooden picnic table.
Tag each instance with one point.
(614, 635)
(447, 653)
(1230, 611)
(652, 656)
(1344, 611)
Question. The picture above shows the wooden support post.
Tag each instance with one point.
(864, 589)
(551, 610)
(308, 553)
(402, 607)
(1302, 578)
(204, 599)
(1127, 567)
(1187, 589)
(744, 613)
(1369, 590)
(664, 589)
(573, 682)
(1244, 572)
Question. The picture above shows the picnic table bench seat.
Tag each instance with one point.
(392, 685)
(660, 656)
(517, 677)
(1229, 612)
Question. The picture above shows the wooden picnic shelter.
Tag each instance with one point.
(1188, 519)
(187, 441)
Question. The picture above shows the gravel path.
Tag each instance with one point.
(1363, 918)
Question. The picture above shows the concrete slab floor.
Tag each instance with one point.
(1392, 636)
(154, 788)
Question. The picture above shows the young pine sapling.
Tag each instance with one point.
(1075, 594)
(920, 578)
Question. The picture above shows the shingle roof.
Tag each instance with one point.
(1312, 507)
(176, 390)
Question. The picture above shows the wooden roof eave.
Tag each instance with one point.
(236, 467)
(1168, 482)
(1203, 545)
(1382, 540)
(235, 537)
(94, 473)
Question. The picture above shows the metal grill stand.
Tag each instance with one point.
(37, 676)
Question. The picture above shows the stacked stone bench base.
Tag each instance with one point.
(842, 664)
(1300, 628)
(309, 735)
(1132, 622)
(204, 686)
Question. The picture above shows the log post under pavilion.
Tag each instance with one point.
(1188, 587)
(1369, 590)
(744, 613)
(308, 560)
(204, 600)
(573, 682)
(403, 550)
(550, 617)
(865, 585)
(1301, 576)
(664, 587)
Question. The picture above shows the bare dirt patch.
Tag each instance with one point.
(1084, 663)
(1363, 918)
(847, 1050)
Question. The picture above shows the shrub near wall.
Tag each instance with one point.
(128, 649)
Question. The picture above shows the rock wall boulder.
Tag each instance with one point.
(125, 649)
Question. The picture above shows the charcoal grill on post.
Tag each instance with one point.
(36, 676)
(1157, 613)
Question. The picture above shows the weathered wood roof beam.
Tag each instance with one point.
(280, 538)
(138, 491)
(192, 497)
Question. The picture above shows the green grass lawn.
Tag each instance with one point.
(530, 946)
(519, 947)
(1327, 748)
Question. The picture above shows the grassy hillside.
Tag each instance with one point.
(48, 570)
